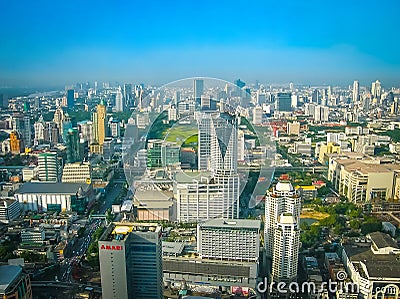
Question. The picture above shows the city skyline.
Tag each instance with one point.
(54, 44)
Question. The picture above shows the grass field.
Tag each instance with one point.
(182, 133)
(310, 213)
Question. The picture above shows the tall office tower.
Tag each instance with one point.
(291, 86)
(356, 91)
(66, 125)
(283, 102)
(177, 97)
(99, 123)
(280, 200)
(198, 89)
(15, 142)
(130, 257)
(3, 101)
(87, 131)
(119, 101)
(315, 96)
(58, 118)
(376, 89)
(321, 113)
(286, 248)
(329, 93)
(72, 142)
(128, 95)
(39, 131)
(48, 167)
(70, 98)
(27, 131)
(258, 115)
(218, 144)
(51, 133)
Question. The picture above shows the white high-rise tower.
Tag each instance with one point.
(282, 202)
(356, 91)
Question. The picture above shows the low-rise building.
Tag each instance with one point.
(14, 283)
(35, 235)
(79, 172)
(9, 209)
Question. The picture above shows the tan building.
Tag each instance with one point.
(99, 122)
(364, 180)
(79, 172)
(327, 148)
(15, 143)
(293, 128)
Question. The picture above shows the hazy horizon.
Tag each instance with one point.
(55, 44)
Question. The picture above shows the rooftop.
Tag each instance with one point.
(228, 223)
(284, 186)
(51, 188)
(382, 240)
(172, 247)
(8, 274)
(378, 265)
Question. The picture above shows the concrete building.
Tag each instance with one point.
(364, 180)
(79, 172)
(375, 268)
(49, 196)
(283, 102)
(130, 257)
(286, 248)
(35, 235)
(293, 128)
(234, 240)
(14, 283)
(282, 216)
(258, 115)
(48, 167)
(327, 148)
(9, 209)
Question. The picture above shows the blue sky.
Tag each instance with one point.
(311, 42)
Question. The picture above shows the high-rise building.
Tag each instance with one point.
(99, 123)
(48, 167)
(283, 102)
(72, 142)
(242, 235)
(115, 128)
(51, 133)
(376, 89)
(58, 118)
(128, 96)
(39, 127)
(119, 101)
(216, 194)
(70, 98)
(66, 125)
(258, 115)
(130, 257)
(281, 201)
(198, 89)
(356, 91)
(286, 248)
(15, 143)
(27, 132)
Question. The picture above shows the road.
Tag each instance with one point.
(80, 246)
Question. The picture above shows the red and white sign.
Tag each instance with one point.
(111, 247)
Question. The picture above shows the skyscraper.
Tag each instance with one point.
(39, 131)
(284, 102)
(356, 91)
(48, 167)
(128, 96)
(70, 98)
(130, 257)
(119, 101)
(198, 89)
(216, 194)
(99, 123)
(376, 89)
(286, 248)
(72, 142)
(282, 203)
